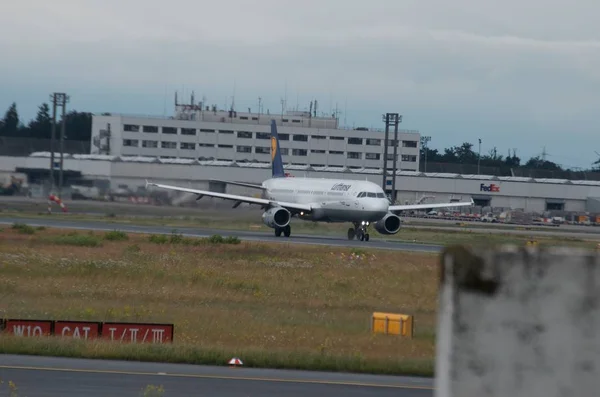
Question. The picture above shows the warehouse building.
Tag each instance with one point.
(500, 193)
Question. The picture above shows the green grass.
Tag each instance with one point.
(279, 306)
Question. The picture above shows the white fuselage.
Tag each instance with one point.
(332, 200)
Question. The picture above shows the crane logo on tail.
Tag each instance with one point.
(273, 148)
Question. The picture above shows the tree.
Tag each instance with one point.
(41, 127)
(10, 123)
(78, 126)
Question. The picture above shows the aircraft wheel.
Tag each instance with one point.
(351, 234)
(287, 231)
(367, 237)
(360, 235)
(277, 232)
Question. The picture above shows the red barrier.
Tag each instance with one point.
(138, 333)
(28, 327)
(77, 330)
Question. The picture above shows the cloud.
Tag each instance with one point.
(509, 71)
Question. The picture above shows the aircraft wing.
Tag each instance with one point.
(251, 185)
(293, 207)
(394, 208)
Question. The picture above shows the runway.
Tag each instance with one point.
(241, 234)
(54, 377)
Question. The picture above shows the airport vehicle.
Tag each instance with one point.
(361, 203)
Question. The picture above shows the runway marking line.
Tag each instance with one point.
(199, 376)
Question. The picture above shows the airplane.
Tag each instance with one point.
(361, 203)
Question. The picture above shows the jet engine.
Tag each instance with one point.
(277, 217)
(389, 224)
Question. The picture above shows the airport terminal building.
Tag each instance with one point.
(205, 133)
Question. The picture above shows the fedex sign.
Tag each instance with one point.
(489, 188)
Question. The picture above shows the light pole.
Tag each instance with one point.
(425, 145)
(479, 157)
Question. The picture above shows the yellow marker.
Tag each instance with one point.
(393, 324)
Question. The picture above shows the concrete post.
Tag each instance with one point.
(518, 322)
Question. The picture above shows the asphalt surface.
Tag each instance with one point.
(242, 235)
(54, 377)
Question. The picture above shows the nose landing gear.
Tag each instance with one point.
(360, 231)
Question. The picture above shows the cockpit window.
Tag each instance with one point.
(370, 194)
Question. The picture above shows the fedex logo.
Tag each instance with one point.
(491, 188)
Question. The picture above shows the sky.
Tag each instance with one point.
(518, 75)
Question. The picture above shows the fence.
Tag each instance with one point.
(471, 169)
(10, 146)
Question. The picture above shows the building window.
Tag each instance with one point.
(284, 137)
(373, 142)
(354, 155)
(408, 157)
(299, 152)
(187, 145)
(372, 156)
(335, 152)
(263, 135)
(131, 128)
(226, 146)
(206, 145)
(317, 151)
(284, 151)
(150, 144)
(168, 145)
(244, 134)
(130, 142)
(150, 128)
(206, 130)
(225, 132)
(244, 149)
(262, 149)
(188, 131)
(336, 138)
(300, 138)
(169, 130)
(390, 156)
(319, 137)
(409, 143)
(392, 142)
(355, 141)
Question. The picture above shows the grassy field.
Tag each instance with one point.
(273, 305)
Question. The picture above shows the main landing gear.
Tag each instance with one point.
(360, 231)
(285, 230)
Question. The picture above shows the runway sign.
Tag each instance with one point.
(77, 330)
(138, 333)
(87, 330)
(28, 327)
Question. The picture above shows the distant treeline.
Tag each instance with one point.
(78, 125)
(465, 155)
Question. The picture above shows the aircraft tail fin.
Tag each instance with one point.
(276, 161)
